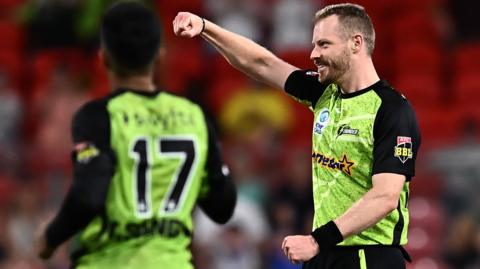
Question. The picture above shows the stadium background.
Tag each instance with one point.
(428, 49)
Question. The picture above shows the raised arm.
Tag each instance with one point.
(242, 53)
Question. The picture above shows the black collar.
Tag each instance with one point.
(379, 84)
(119, 91)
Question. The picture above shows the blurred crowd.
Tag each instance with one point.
(429, 50)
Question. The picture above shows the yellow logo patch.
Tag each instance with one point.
(403, 150)
(86, 152)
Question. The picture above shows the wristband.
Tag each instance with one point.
(203, 25)
(327, 236)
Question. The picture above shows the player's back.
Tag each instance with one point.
(160, 145)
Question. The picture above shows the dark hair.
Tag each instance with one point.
(353, 18)
(130, 35)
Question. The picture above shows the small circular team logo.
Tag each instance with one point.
(324, 116)
(321, 121)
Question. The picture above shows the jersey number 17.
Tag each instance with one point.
(179, 147)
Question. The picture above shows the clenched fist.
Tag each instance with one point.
(300, 248)
(187, 24)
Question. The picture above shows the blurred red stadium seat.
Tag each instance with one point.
(419, 57)
(100, 84)
(466, 79)
(298, 58)
(382, 54)
(194, 6)
(466, 57)
(44, 63)
(218, 66)
(184, 62)
(8, 5)
(422, 90)
(12, 64)
(8, 188)
(424, 5)
(441, 125)
(42, 67)
(426, 186)
(466, 88)
(414, 25)
(12, 36)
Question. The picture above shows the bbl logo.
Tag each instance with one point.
(403, 150)
(322, 121)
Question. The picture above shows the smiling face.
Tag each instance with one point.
(330, 50)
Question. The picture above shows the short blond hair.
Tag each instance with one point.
(353, 18)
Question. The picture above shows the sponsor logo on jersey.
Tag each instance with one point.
(169, 228)
(403, 150)
(342, 164)
(85, 151)
(322, 121)
(344, 129)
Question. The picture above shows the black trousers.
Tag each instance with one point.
(368, 257)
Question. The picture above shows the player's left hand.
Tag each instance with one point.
(300, 248)
(42, 249)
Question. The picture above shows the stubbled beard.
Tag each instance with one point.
(337, 67)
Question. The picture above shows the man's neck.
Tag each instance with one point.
(138, 82)
(359, 77)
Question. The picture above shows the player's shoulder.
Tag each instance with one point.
(92, 108)
(100, 105)
(181, 100)
(91, 122)
(391, 97)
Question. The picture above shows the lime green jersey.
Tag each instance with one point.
(355, 136)
(158, 152)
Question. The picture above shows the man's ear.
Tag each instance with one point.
(356, 43)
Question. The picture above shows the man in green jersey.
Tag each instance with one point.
(143, 158)
(365, 138)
